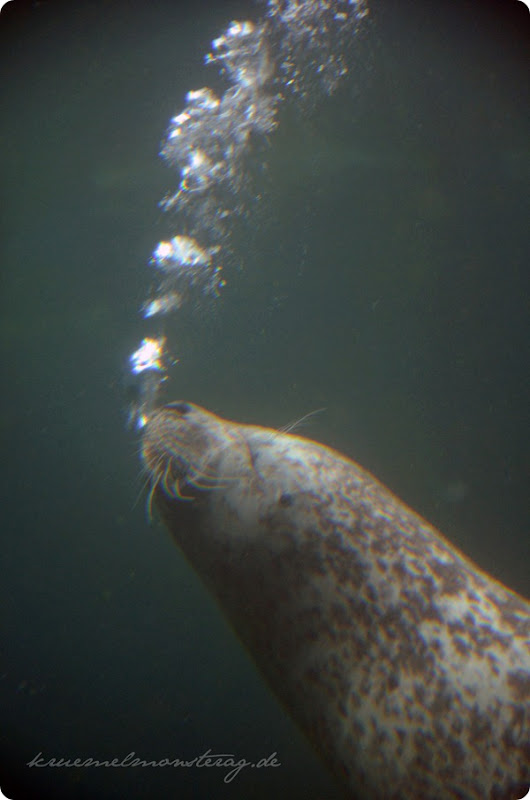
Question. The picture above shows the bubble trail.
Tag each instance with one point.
(299, 49)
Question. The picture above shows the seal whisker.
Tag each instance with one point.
(167, 474)
(204, 481)
(145, 482)
(211, 479)
(149, 501)
(299, 423)
(177, 494)
(146, 476)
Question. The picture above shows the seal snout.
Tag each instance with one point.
(167, 448)
(180, 444)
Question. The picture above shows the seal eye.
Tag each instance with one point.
(180, 408)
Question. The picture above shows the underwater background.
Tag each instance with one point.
(383, 275)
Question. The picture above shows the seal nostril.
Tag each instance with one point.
(180, 408)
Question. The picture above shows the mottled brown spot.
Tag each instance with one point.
(339, 615)
(519, 680)
(342, 560)
(380, 545)
(508, 739)
(382, 566)
(437, 648)
(392, 682)
(443, 699)
(492, 661)
(419, 693)
(486, 636)
(358, 729)
(461, 646)
(361, 613)
(419, 606)
(457, 725)
(479, 727)
(514, 613)
(450, 577)
(481, 636)
(370, 592)
(423, 747)
(455, 750)
(469, 619)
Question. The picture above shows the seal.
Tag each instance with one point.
(405, 664)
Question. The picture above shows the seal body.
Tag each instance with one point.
(406, 665)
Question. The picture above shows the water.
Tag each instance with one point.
(383, 276)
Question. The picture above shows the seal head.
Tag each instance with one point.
(406, 665)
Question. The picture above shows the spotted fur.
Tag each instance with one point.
(405, 664)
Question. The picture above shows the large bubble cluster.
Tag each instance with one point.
(299, 48)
